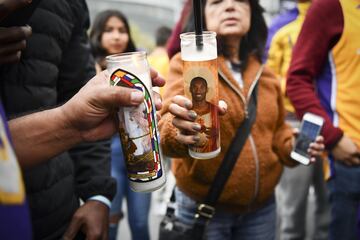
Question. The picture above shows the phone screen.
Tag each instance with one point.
(307, 135)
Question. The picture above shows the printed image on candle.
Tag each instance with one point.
(138, 134)
(200, 85)
(207, 115)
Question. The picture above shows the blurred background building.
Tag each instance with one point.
(146, 16)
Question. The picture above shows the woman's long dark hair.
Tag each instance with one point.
(253, 43)
(98, 29)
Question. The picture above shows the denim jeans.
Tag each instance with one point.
(344, 190)
(138, 204)
(257, 225)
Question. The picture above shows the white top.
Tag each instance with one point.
(236, 74)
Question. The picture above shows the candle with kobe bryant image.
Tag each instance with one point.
(201, 86)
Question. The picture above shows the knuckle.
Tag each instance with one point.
(178, 137)
(119, 95)
(176, 99)
(113, 95)
(77, 216)
(172, 108)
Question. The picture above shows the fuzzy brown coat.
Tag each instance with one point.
(259, 165)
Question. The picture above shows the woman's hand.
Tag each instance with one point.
(184, 119)
(316, 149)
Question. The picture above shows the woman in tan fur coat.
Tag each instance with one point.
(246, 208)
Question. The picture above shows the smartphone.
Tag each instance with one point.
(310, 128)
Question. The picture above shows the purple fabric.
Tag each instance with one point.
(323, 88)
(359, 220)
(3, 119)
(15, 222)
(14, 219)
(324, 91)
(277, 23)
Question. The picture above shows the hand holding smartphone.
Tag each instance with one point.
(309, 129)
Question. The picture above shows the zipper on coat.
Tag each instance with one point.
(257, 170)
(251, 139)
(251, 89)
(252, 142)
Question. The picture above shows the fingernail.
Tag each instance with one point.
(222, 105)
(27, 30)
(196, 138)
(159, 102)
(159, 105)
(136, 97)
(196, 127)
(188, 104)
(192, 115)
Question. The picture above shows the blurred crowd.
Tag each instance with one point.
(63, 172)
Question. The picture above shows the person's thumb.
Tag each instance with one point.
(27, 30)
(296, 132)
(222, 107)
(115, 97)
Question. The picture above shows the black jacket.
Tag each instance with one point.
(55, 65)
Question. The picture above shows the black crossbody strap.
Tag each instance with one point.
(206, 209)
(233, 152)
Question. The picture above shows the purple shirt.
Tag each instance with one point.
(14, 218)
(277, 23)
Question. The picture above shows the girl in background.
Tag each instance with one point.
(110, 34)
